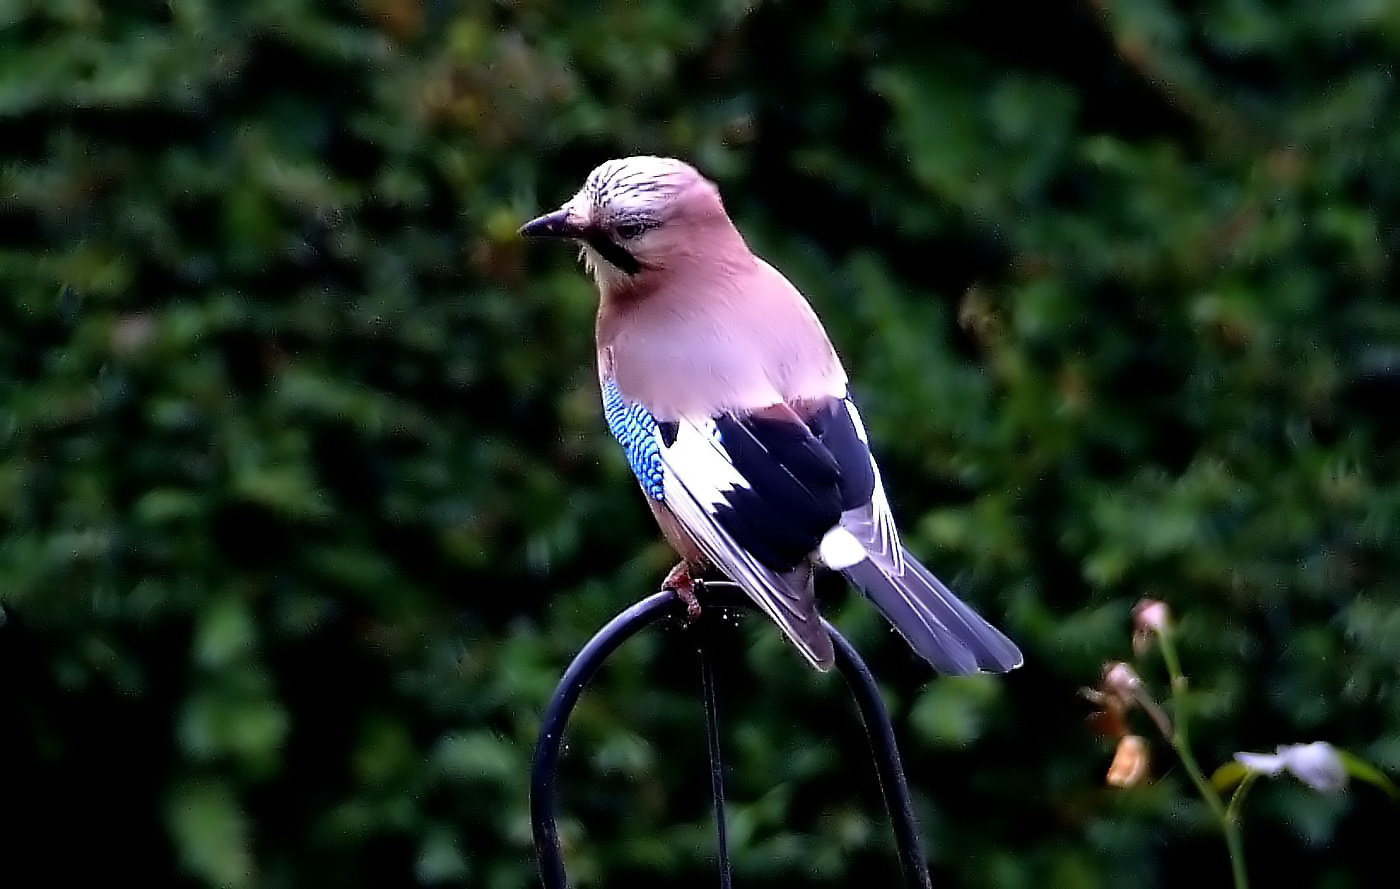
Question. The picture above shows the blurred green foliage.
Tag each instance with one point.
(305, 497)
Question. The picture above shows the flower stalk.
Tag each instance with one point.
(1227, 816)
(1318, 764)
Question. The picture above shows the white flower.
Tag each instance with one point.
(1316, 765)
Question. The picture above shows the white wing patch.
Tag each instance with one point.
(698, 459)
(698, 474)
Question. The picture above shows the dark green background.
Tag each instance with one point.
(306, 500)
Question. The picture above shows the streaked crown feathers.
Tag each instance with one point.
(637, 186)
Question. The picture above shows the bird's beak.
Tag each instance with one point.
(559, 224)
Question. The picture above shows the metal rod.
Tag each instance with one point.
(888, 766)
(556, 717)
(707, 681)
(627, 624)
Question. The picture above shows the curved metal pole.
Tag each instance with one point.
(556, 716)
(887, 762)
(648, 611)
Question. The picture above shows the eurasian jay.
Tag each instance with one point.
(733, 410)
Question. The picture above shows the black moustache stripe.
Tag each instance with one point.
(613, 252)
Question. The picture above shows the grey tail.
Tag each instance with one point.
(804, 625)
(937, 624)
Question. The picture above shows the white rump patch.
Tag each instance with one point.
(840, 550)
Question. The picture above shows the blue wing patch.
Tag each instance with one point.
(635, 430)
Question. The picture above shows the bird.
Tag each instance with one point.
(735, 413)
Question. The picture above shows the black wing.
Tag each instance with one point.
(764, 494)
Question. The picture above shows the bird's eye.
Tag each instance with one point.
(627, 230)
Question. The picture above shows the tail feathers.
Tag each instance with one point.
(937, 624)
(805, 628)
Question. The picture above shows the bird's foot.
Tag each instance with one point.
(683, 585)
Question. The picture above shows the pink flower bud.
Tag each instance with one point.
(1120, 681)
(1151, 615)
(1150, 619)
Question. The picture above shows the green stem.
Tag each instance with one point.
(1228, 817)
(1236, 848)
(1237, 798)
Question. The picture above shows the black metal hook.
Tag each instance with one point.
(664, 604)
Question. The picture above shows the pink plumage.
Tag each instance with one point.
(733, 407)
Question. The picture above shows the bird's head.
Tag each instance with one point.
(636, 214)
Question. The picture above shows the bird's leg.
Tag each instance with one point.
(682, 584)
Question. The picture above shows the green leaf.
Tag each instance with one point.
(1361, 770)
(1228, 775)
(222, 723)
(952, 712)
(477, 756)
(440, 859)
(226, 632)
(210, 832)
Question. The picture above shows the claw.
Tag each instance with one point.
(683, 585)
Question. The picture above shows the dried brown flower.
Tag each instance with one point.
(1130, 761)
